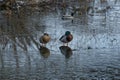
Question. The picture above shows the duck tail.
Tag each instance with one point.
(41, 40)
(61, 38)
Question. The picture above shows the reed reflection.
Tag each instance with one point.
(1, 59)
(16, 36)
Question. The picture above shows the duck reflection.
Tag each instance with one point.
(66, 51)
(44, 51)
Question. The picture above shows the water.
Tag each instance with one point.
(92, 55)
(81, 65)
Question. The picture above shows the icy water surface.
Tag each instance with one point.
(92, 55)
(80, 65)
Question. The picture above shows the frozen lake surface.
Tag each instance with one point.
(93, 54)
(80, 65)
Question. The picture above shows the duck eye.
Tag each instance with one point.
(45, 34)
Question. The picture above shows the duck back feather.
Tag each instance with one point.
(44, 39)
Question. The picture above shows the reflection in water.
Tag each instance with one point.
(16, 55)
(1, 59)
(17, 29)
(3, 41)
(66, 51)
(44, 51)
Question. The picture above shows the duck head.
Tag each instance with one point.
(46, 34)
(67, 33)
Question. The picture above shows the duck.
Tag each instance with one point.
(66, 51)
(65, 17)
(44, 39)
(66, 38)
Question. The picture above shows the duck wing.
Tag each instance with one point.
(44, 39)
(63, 39)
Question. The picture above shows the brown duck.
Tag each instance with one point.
(44, 39)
